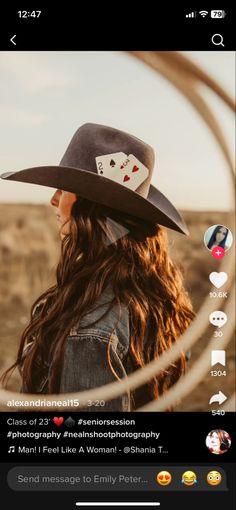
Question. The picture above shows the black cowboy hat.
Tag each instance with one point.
(81, 172)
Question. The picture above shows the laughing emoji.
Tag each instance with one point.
(189, 478)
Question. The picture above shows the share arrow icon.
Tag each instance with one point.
(218, 397)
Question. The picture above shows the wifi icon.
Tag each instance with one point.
(203, 13)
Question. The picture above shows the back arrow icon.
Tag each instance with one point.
(12, 39)
(218, 397)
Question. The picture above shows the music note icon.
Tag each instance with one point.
(11, 449)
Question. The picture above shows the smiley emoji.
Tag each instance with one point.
(214, 478)
(189, 478)
(164, 478)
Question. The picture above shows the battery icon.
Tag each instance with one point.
(218, 14)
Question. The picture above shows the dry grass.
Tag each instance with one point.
(29, 247)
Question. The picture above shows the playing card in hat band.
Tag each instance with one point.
(123, 169)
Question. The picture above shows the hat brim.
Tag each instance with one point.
(156, 208)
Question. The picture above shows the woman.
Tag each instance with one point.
(218, 237)
(118, 301)
(218, 441)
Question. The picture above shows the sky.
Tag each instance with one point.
(46, 96)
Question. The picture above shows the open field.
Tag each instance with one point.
(29, 247)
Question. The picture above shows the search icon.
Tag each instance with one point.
(217, 39)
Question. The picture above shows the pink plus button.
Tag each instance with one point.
(218, 252)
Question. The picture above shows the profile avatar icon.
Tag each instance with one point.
(218, 236)
(218, 441)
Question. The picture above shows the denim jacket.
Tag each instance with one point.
(85, 363)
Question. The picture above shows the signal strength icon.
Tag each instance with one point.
(203, 14)
(191, 15)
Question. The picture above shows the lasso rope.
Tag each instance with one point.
(186, 76)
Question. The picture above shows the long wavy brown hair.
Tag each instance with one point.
(143, 278)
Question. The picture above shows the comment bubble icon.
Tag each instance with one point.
(218, 318)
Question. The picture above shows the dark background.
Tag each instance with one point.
(112, 27)
(182, 434)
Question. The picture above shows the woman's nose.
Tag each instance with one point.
(54, 199)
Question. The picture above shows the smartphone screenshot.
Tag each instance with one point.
(117, 257)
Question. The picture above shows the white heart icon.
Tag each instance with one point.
(218, 279)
